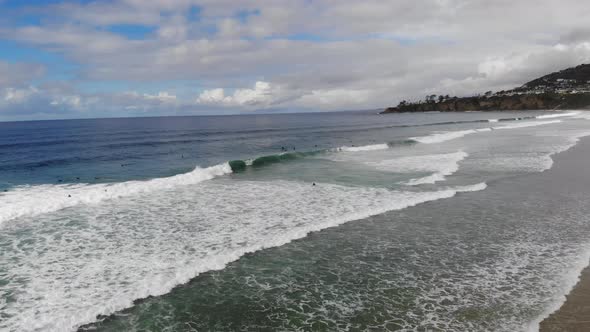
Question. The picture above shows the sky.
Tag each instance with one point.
(114, 58)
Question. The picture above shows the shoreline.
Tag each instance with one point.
(388, 110)
(574, 314)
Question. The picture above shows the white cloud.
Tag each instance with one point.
(15, 95)
(326, 54)
(16, 74)
(162, 96)
(262, 95)
(213, 96)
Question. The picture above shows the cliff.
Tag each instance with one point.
(565, 89)
(542, 101)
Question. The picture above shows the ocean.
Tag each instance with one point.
(291, 222)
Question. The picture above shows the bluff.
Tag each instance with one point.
(566, 89)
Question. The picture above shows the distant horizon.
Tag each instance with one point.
(255, 113)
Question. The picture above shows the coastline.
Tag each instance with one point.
(574, 313)
(433, 108)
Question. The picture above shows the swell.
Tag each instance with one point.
(239, 165)
(22, 201)
(123, 136)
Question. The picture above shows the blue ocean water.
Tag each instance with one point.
(96, 215)
(111, 150)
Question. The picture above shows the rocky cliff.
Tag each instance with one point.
(542, 101)
(565, 89)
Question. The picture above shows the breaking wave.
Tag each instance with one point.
(373, 147)
(35, 200)
(557, 115)
(439, 165)
(450, 135)
(199, 235)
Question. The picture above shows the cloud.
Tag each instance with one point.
(16, 74)
(63, 101)
(261, 54)
(264, 94)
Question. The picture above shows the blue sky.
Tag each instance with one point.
(156, 57)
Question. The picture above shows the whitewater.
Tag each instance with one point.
(76, 251)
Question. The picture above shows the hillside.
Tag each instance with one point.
(572, 78)
(566, 89)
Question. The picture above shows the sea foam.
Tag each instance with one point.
(444, 136)
(557, 115)
(35, 200)
(440, 165)
(527, 124)
(107, 259)
(372, 147)
(450, 135)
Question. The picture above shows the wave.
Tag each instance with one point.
(517, 118)
(444, 165)
(558, 115)
(527, 124)
(445, 136)
(570, 280)
(200, 235)
(450, 135)
(372, 147)
(241, 165)
(582, 115)
(35, 200)
(439, 165)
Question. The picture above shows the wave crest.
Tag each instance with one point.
(35, 200)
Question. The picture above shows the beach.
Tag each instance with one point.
(574, 314)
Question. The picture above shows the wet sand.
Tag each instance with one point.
(574, 314)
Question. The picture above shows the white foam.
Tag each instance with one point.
(440, 165)
(120, 251)
(372, 147)
(582, 115)
(558, 115)
(472, 188)
(492, 120)
(527, 124)
(567, 284)
(444, 136)
(35, 200)
(538, 158)
(450, 135)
